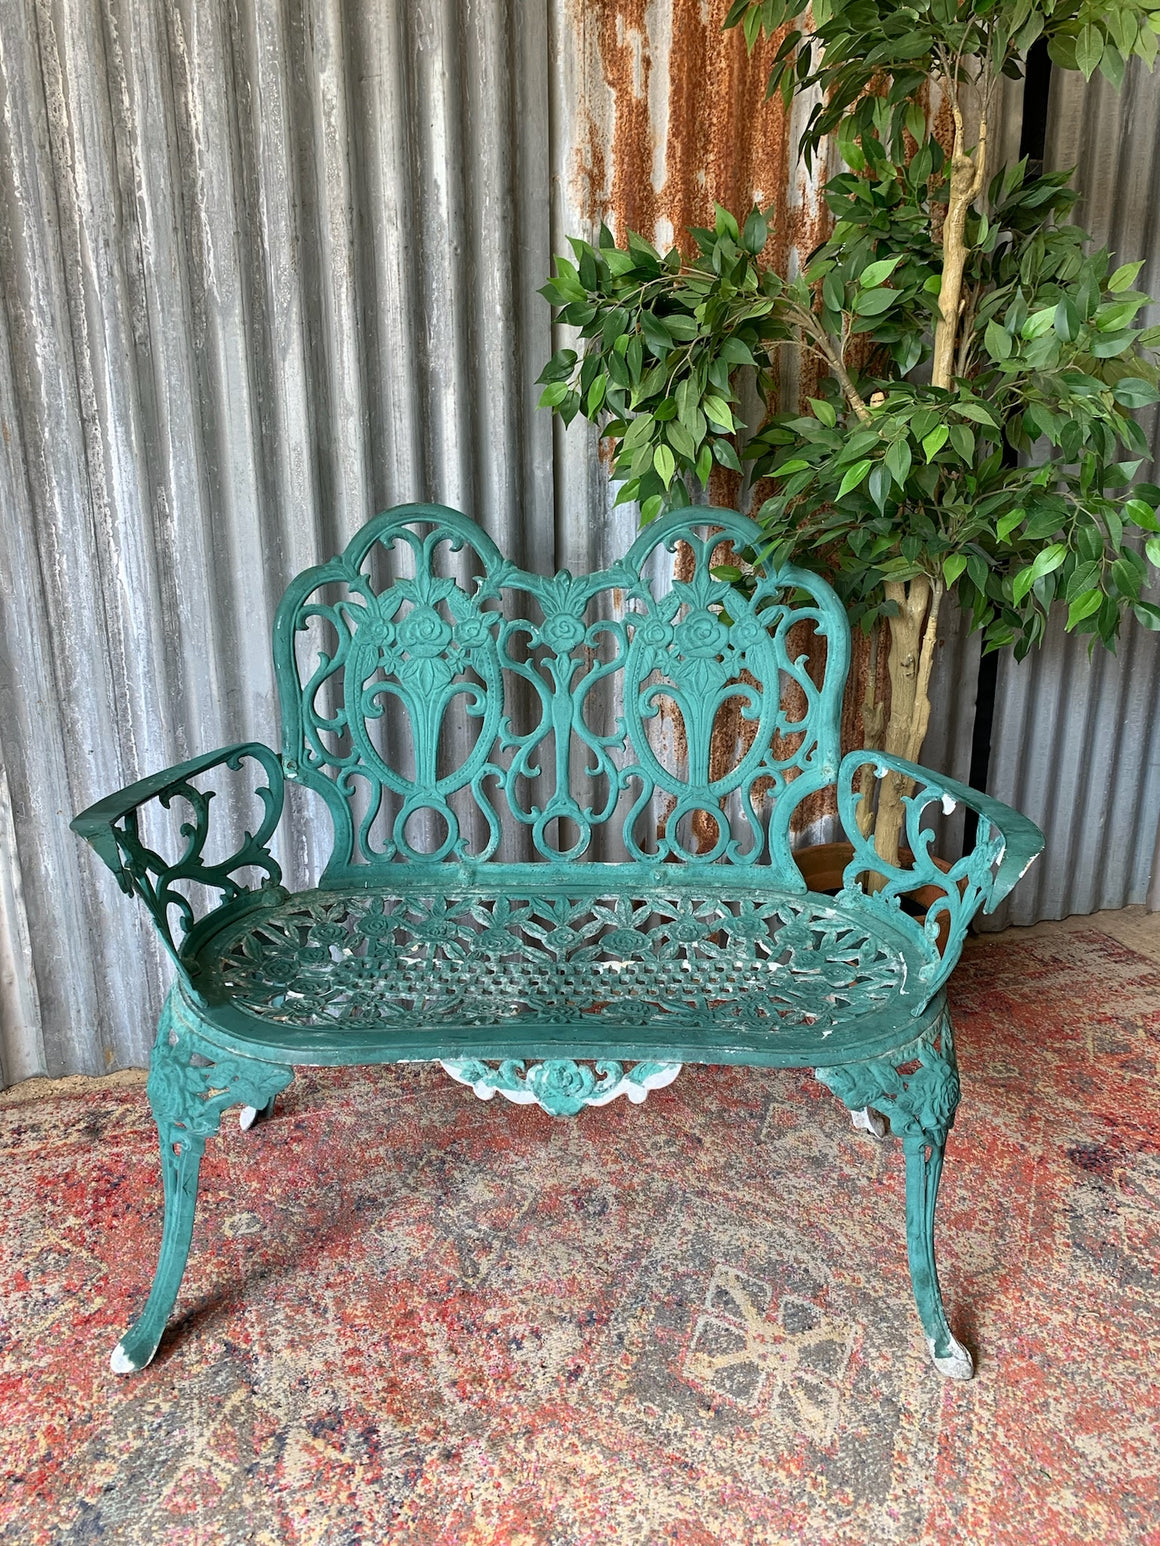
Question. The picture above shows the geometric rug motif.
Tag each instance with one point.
(413, 1317)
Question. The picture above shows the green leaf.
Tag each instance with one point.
(1045, 563)
(704, 465)
(872, 303)
(1147, 614)
(953, 566)
(854, 476)
(1039, 322)
(977, 413)
(898, 459)
(638, 431)
(1141, 514)
(726, 455)
(656, 334)
(756, 232)
(596, 396)
(1089, 50)
(665, 463)
(963, 442)
(824, 411)
(875, 274)
(734, 352)
(1125, 276)
(1152, 549)
(553, 394)
(1134, 392)
(680, 439)
(559, 367)
(717, 411)
(933, 443)
(1007, 523)
(1067, 321)
(1084, 605)
(879, 484)
(651, 508)
(998, 341)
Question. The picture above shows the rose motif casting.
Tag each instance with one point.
(562, 633)
(472, 632)
(655, 633)
(444, 959)
(626, 942)
(745, 632)
(378, 631)
(424, 632)
(702, 634)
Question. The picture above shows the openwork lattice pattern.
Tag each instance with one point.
(402, 715)
(426, 961)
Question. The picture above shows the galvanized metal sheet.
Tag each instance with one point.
(1076, 741)
(266, 271)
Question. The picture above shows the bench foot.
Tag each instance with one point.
(250, 1116)
(867, 1120)
(920, 1102)
(190, 1084)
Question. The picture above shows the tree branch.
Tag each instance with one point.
(814, 330)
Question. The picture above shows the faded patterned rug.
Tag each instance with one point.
(413, 1317)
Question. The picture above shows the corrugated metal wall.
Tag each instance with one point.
(1076, 742)
(268, 269)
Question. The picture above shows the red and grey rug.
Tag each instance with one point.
(411, 1317)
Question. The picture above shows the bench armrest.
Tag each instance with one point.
(112, 827)
(1005, 847)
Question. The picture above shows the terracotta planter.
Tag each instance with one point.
(822, 864)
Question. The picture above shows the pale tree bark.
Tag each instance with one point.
(873, 729)
(914, 630)
(913, 637)
(968, 173)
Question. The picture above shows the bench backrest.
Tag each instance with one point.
(439, 698)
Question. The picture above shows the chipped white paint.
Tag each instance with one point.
(957, 1365)
(867, 1120)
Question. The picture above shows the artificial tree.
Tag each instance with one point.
(976, 362)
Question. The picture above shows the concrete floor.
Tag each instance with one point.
(1134, 927)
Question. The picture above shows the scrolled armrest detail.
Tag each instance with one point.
(112, 827)
(1006, 845)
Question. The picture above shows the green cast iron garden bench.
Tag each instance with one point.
(445, 705)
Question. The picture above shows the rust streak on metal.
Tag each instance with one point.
(675, 119)
(689, 125)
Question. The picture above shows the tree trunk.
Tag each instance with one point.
(873, 728)
(966, 183)
(913, 635)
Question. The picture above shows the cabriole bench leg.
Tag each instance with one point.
(180, 1164)
(191, 1082)
(924, 1162)
(921, 1107)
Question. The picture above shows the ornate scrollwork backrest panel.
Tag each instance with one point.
(731, 664)
(439, 698)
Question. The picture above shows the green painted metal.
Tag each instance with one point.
(428, 686)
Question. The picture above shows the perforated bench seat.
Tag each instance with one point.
(742, 973)
(448, 707)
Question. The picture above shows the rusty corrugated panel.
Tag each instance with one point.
(659, 114)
